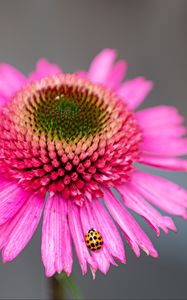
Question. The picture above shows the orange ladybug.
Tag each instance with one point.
(93, 240)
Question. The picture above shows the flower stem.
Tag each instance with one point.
(62, 284)
(57, 289)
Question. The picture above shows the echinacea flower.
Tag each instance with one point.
(67, 142)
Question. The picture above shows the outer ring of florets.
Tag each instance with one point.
(98, 144)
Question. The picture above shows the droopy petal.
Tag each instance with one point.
(102, 257)
(132, 231)
(12, 198)
(67, 241)
(173, 164)
(44, 68)
(56, 242)
(161, 192)
(133, 92)
(11, 81)
(11, 211)
(101, 66)
(137, 203)
(25, 223)
(109, 231)
(78, 238)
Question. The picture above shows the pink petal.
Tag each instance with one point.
(109, 231)
(164, 131)
(117, 74)
(11, 81)
(161, 192)
(11, 200)
(22, 226)
(161, 122)
(161, 125)
(173, 164)
(67, 243)
(56, 242)
(44, 68)
(159, 116)
(103, 70)
(101, 66)
(134, 201)
(133, 92)
(132, 231)
(78, 238)
(102, 257)
(159, 146)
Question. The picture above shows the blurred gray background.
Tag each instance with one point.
(152, 36)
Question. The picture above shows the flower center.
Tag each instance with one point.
(68, 114)
(64, 134)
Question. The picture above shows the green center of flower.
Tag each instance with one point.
(68, 109)
(68, 115)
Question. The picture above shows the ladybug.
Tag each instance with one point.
(93, 240)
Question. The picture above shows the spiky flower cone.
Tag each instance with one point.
(65, 135)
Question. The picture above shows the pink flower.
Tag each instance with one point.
(65, 141)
